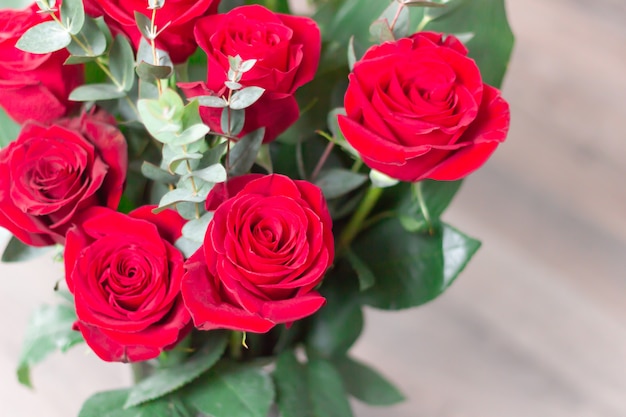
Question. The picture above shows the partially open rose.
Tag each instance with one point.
(49, 173)
(417, 108)
(33, 86)
(287, 49)
(266, 249)
(125, 274)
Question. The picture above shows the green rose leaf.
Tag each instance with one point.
(16, 251)
(111, 404)
(338, 324)
(366, 384)
(167, 380)
(49, 329)
(233, 390)
(44, 38)
(411, 268)
(314, 389)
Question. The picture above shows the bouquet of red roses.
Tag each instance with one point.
(229, 184)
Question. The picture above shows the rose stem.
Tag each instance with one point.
(235, 344)
(419, 194)
(353, 227)
(322, 161)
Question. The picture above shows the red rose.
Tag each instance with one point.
(33, 86)
(266, 249)
(287, 49)
(417, 108)
(125, 274)
(176, 18)
(49, 173)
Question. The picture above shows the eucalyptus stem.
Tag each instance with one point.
(419, 194)
(355, 224)
(322, 161)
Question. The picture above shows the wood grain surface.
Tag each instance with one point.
(536, 325)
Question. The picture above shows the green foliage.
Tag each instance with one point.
(44, 38)
(16, 251)
(230, 390)
(338, 324)
(93, 44)
(314, 389)
(167, 380)
(49, 329)
(96, 92)
(336, 182)
(8, 129)
(110, 404)
(365, 384)
(73, 13)
(411, 268)
(122, 63)
(245, 151)
(493, 40)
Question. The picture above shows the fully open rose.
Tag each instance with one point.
(417, 108)
(33, 86)
(49, 173)
(175, 19)
(287, 49)
(266, 249)
(125, 274)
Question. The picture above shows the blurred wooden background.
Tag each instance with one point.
(536, 326)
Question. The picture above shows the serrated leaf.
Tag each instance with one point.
(178, 195)
(311, 390)
(49, 329)
(122, 63)
(155, 173)
(16, 251)
(337, 182)
(232, 121)
(328, 396)
(246, 97)
(366, 384)
(96, 92)
(167, 380)
(110, 404)
(73, 15)
(233, 390)
(44, 38)
(244, 153)
(458, 249)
